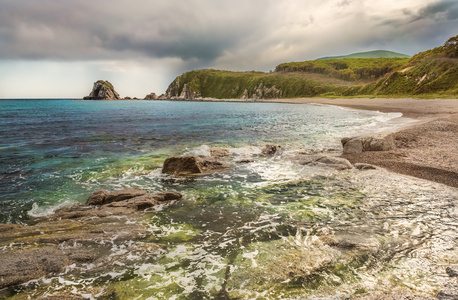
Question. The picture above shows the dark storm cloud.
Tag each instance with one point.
(447, 9)
(232, 34)
(85, 30)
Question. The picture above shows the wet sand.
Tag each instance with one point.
(427, 149)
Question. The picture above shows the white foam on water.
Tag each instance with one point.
(38, 211)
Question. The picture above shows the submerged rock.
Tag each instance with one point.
(191, 165)
(130, 198)
(270, 150)
(383, 141)
(103, 90)
(323, 160)
(450, 293)
(361, 166)
(24, 265)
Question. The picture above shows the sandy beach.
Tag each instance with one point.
(427, 149)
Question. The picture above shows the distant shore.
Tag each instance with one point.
(426, 149)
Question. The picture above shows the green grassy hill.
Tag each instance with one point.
(430, 73)
(434, 71)
(369, 54)
(350, 69)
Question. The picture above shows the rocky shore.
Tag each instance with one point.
(426, 149)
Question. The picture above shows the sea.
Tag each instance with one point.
(248, 229)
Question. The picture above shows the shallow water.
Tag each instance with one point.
(270, 229)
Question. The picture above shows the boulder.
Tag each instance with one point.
(352, 145)
(383, 141)
(192, 165)
(323, 161)
(270, 150)
(219, 152)
(103, 90)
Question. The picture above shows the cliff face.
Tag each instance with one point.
(179, 91)
(103, 90)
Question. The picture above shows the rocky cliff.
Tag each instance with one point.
(427, 74)
(103, 90)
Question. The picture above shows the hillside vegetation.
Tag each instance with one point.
(434, 71)
(430, 73)
(351, 69)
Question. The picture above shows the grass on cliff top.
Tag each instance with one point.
(350, 69)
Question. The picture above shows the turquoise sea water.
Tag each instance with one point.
(59, 151)
(269, 229)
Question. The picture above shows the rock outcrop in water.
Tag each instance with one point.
(192, 165)
(103, 90)
(77, 236)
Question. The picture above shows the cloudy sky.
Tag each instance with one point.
(58, 48)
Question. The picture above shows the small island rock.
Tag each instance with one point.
(103, 90)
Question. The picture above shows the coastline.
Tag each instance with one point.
(424, 149)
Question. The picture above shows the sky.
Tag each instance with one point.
(59, 48)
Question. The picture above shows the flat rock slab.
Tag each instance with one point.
(42, 250)
(323, 160)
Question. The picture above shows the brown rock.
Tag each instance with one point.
(191, 165)
(124, 194)
(270, 150)
(97, 198)
(167, 196)
(103, 197)
(24, 265)
(219, 152)
(136, 203)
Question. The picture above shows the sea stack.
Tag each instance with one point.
(103, 90)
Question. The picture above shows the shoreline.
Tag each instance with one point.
(425, 149)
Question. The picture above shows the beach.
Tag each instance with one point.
(425, 149)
